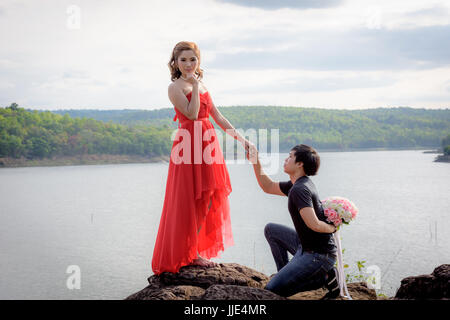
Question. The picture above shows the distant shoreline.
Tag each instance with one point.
(442, 158)
(424, 149)
(99, 159)
(88, 159)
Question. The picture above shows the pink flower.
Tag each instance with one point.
(332, 216)
(338, 208)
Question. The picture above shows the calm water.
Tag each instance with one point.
(104, 220)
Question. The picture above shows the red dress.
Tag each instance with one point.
(196, 214)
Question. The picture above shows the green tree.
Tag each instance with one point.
(14, 106)
(446, 141)
(39, 147)
(447, 150)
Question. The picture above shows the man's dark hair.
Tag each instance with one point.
(310, 158)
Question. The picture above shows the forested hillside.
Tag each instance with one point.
(43, 134)
(322, 128)
(46, 134)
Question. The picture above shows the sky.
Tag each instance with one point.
(334, 54)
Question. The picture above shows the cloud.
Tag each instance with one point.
(331, 57)
(278, 4)
(430, 12)
(300, 82)
(332, 89)
(426, 46)
(363, 49)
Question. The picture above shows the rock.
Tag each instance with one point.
(442, 158)
(356, 290)
(224, 281)
(227, 281)
(168, 293)
(224, 273)
(234, 292)
(360, 291)
(428, 286)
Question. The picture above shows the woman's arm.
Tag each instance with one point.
(225, 124)
(189, 108)
(266, 184)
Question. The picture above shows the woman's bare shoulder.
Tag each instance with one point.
(181, 86)
(175, 87)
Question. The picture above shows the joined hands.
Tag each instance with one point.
(251, 152)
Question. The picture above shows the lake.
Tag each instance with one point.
(103, 220)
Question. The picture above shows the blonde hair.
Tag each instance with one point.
(175, 73)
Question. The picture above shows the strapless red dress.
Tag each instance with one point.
(196, 213)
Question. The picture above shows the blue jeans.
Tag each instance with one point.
(305, 271)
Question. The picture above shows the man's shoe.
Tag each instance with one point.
(332, 285)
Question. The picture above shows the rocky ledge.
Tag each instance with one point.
(428, 286)
(227, 281)
(442, 158)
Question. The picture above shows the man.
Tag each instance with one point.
(311, 242)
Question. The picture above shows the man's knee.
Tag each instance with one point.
(267, 230)
(270, 286)
(275, 287)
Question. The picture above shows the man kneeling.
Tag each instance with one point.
(311, 242)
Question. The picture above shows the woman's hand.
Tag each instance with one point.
(191, 78)
(251, 151)
(247, 144)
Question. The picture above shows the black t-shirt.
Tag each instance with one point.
(304, 194)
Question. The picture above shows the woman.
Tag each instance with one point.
(195, 222)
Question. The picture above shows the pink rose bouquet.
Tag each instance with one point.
(339, 210)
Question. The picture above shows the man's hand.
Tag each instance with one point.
(335, 228)
(251, 151)
(266, 184)
(309, 216)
